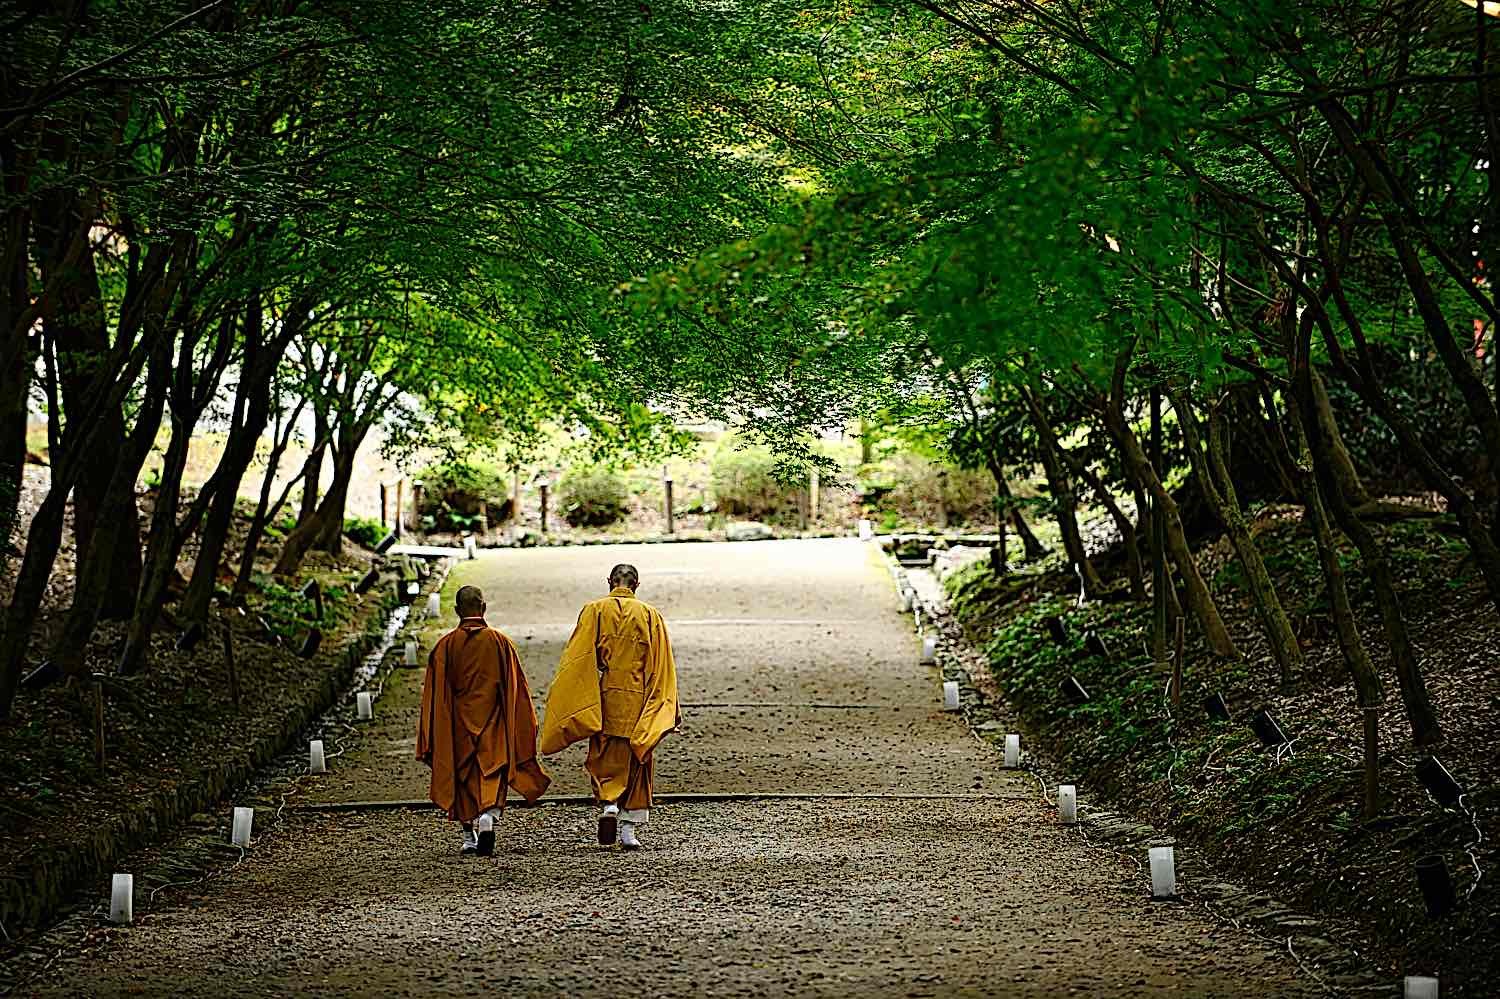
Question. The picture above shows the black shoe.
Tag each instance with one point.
(486, 827)
(609, 822)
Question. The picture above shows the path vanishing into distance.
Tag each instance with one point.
(798, 676)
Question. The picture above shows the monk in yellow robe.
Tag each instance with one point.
(477, 729)
(616, 687)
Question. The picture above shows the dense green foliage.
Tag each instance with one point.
(593, 495)
(1120, 243)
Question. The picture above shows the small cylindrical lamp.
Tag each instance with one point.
(240, 827)
(410, 658)
(929, 650)
(1163, 872)
(1420, 987)
(1012, 751)
(950, 695)
(365, 705)
(434, 605)
(1067, 804)
(316, 763)
(122, 899)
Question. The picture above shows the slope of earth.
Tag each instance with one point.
(1287, 819)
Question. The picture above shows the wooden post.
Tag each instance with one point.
(1372, 762)
(544, 508)
(1177, 664)
(229, 664)
(802, 503)
(814, 490)
(416, 504)
(98, 724)
(397, 528)
(515, 496)
(383, 512)
(667, 486)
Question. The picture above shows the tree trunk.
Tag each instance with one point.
(1065, 502)
(1367, 687)
(1034, 550)
(1199, 599)
(74, 322)
(1419, 712)
(329, 514)
(239, 452)
(118, 529)
(17, 359)
(312, 469)
(163, 544)
(1134, 570)
(1342, 468)
(265, 510)
(42, 542)
(1217, 486)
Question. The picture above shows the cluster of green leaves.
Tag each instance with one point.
(593, 496)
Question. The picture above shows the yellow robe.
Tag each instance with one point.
(617, 687)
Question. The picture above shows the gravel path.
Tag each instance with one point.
(942, 896)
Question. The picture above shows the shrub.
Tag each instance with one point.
(364, 531)
(929, 492)
(743, 484)
(592, 496)
(454, 492)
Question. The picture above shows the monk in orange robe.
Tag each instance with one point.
(477, 730)
(616, 687)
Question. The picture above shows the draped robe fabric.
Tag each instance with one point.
(616, 686)
(477, 729)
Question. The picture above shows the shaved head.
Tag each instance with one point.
(470, 602)
(624, 575)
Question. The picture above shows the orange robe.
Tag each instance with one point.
(477, 730)
(617, 687)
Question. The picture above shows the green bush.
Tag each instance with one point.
(743, 484)
(923, 491)
(592, 496)
(364, 531)
(454, 493)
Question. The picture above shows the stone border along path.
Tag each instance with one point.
(1336, 967)
(941, 877)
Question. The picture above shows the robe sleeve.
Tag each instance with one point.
(662, 712)
(527, 778)
(425, 723)
(574, 711)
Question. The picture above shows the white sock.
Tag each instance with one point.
(627, 834)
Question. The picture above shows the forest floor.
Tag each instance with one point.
(949, 877)
(1287, 819)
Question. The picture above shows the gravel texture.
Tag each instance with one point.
(818, 897)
